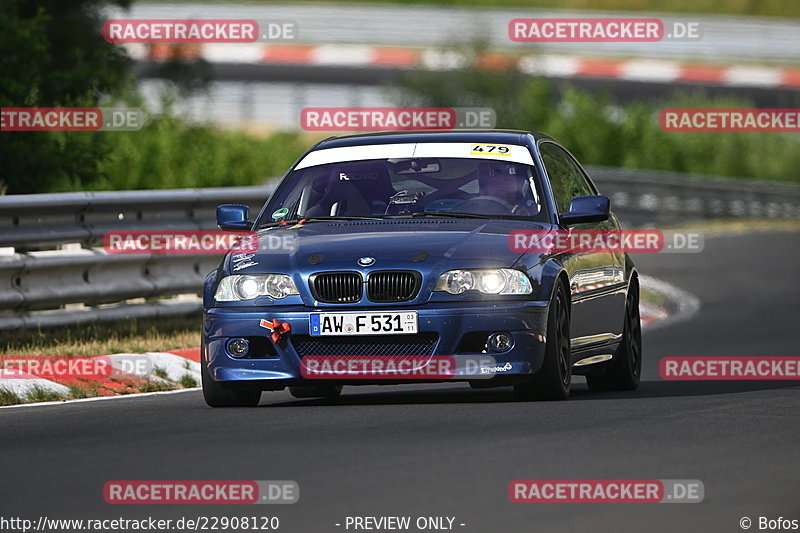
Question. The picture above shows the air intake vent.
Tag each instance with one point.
(393, 285)
(336, 287)
(375, 346)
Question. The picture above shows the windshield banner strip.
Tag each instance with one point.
(503, 152)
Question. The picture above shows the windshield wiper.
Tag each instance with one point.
(317, 219)
(451, 215)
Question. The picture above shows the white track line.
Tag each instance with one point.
(101, 398)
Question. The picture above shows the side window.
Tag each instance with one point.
(566, 177)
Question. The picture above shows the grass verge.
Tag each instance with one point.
(135, 336)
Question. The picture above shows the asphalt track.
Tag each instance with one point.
(447, 450)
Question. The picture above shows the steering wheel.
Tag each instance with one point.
(507, 207)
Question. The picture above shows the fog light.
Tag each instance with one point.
(238, 347)
(500, 342)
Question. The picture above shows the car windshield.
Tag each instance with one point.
(396, 188)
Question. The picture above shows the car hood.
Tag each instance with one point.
(424, 245)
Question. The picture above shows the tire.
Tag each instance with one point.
(224, 395)
(624, 371)
(554, 380)
(315, 391)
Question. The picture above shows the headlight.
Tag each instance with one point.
(496, 281)
(456, 281)
(240, 287)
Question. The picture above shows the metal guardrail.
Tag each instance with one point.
(38, 288)
(36, 220)
(660, 198)
(51, 280)
(42, 280)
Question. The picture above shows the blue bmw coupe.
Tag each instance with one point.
(397, 245)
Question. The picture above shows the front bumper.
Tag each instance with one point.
(460, 331)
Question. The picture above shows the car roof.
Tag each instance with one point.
(477, 136)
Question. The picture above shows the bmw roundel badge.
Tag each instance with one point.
(366, 261)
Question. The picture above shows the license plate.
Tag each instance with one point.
(363, 323)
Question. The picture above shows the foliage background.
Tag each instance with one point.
(51, 55)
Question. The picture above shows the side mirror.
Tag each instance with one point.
(586, 209)
(233, 217)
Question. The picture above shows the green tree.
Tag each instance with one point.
(52, 54)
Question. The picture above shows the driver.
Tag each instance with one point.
(506, 183)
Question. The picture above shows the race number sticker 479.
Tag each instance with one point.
(493, 149)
